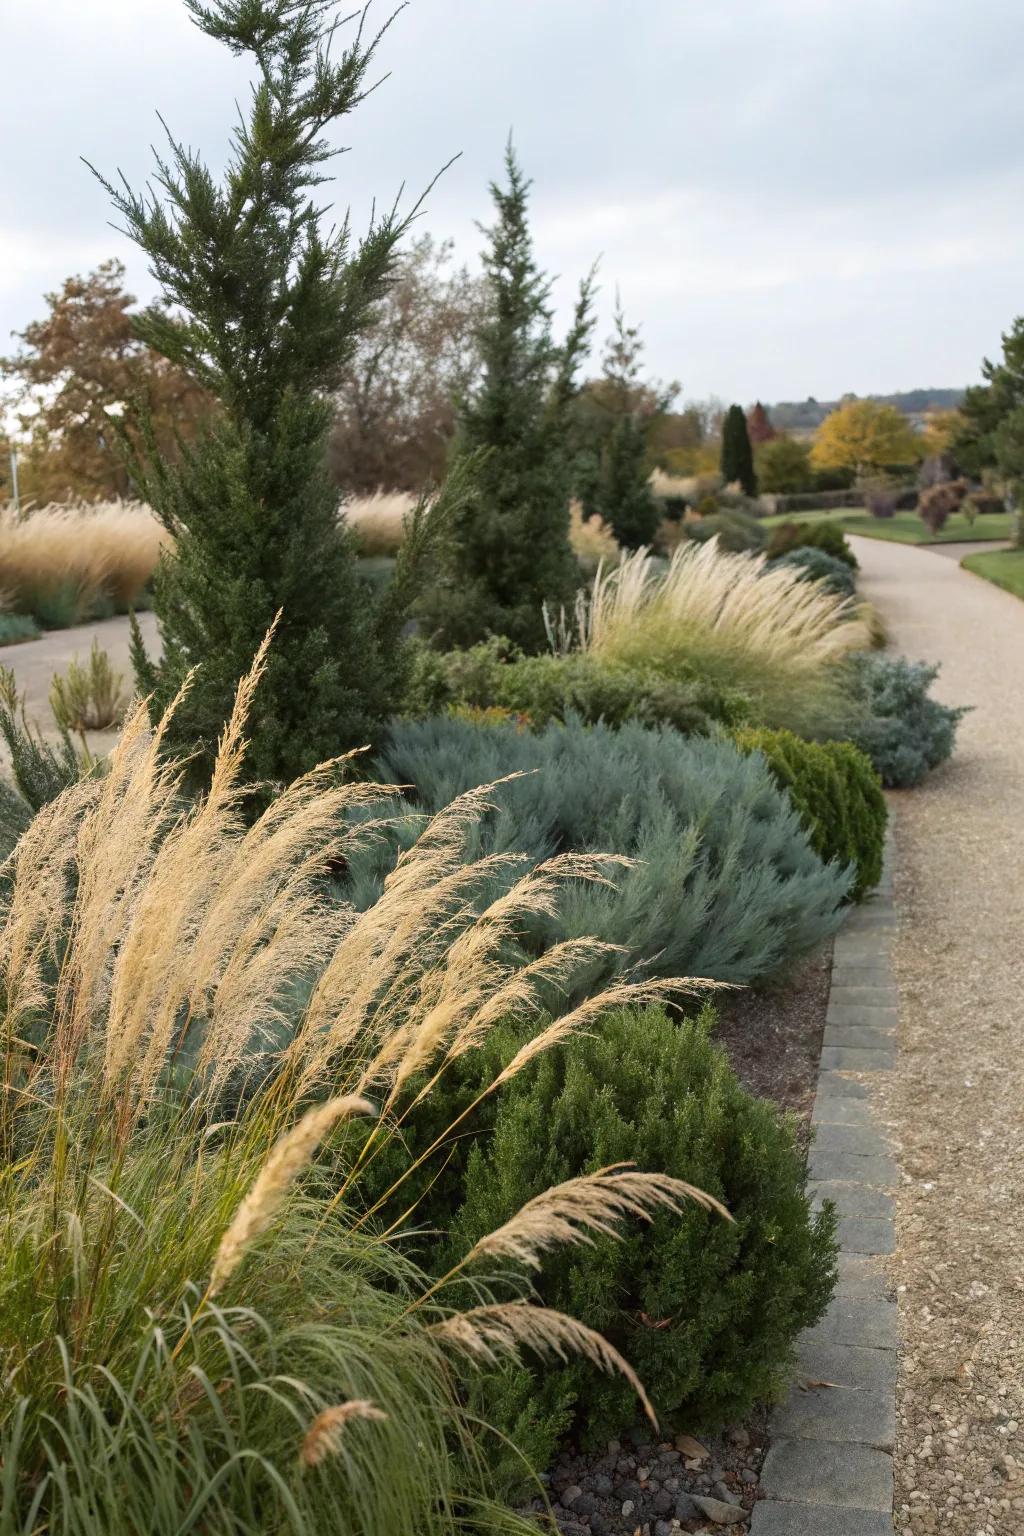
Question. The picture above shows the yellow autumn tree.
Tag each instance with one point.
(941, 431)
(865, 436)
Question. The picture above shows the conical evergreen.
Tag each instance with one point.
(266, 305)
(737, 455)
(508, 552)
(624, 498)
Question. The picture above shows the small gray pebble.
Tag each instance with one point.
(602, 1484)
(569, 1495)
(628, 1508)
(686, 1509)
(663, 1502)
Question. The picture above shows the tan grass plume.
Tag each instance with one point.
(503, 1330)
(593, 1203)
(287, 1160)
(323, 1437)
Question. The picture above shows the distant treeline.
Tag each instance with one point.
(805, 415)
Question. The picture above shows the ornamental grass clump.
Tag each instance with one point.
(201, 1324)
(781, 640)
(65, 564)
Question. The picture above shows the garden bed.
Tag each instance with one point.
(773, 1038)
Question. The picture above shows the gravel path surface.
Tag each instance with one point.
(957, 1098)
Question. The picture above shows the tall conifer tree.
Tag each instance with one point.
(737, 454)
(508, 551)
(266, 304)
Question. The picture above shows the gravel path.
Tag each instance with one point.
(957, 1099)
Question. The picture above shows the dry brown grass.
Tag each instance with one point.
(778, 639)
(71, 559)
(379, 521)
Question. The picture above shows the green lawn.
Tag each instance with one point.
(904, 527)
(1004, 567)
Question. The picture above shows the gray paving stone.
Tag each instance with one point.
(861, 1277)
(855, 1199)
(864, 1014)
(861, 1324)
(814, 1472)
(862, 1036)
(882, 920)
(825, 1164)
(855, 1414)
(865, 1139)
(876, 974)
(846, 1058)
(834, 1085)
(857, 951)
(889, 999)
(866, 1234)
(850, 1365)
(854, 993)
(771, 1519)
(835, 1110)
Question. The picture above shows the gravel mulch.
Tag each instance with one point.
(956, 1100)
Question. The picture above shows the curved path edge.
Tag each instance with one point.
(829, 1471)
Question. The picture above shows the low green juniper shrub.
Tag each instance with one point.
(785, 537)
(837, 794)
(726, 883)
(494, 674)
(706, 1310)
(904, 731)
(818, 565)
(736, 531)
(16, 627)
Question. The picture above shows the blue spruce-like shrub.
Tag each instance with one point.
(725, 885)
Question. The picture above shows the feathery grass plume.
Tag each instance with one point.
(592, 540)
(594, 1202)
(286, 1161)
(504, 1329)
(63, 563)
(378, 521)
(648, 990)
(726, 617)
(323, 1437)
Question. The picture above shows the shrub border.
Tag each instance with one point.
(830, 1465)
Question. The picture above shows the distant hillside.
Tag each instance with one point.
(805, 415)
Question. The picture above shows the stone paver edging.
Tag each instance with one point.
(829, 1471)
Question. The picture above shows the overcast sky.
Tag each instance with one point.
(794, 196)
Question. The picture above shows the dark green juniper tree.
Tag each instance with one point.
(737, 454)
(623, 493)
(508, 550)
(266, 304)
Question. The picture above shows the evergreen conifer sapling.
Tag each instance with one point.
(266, 305)
(624, 498)
(737, 454)
(508, 551)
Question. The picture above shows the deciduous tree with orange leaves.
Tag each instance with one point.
(79, 378)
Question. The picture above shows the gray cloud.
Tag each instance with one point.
(794, 196)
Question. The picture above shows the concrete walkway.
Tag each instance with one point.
(958, 550)
(35, 662)
(955, 1101)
